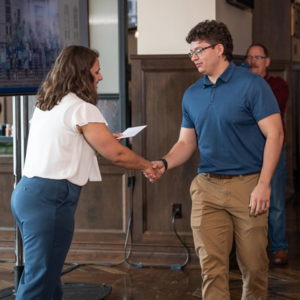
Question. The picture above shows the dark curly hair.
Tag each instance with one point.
(213, 32)
(70, 73)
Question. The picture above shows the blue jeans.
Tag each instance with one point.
(276, 223)
(44, 210)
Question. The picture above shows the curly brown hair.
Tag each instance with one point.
(70, 73)
(213, 32)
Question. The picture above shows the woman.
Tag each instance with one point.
(66, 129)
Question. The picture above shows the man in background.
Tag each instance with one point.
(258, 59)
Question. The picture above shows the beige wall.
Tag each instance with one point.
(163, 25)
(239, 23)
(103, 26)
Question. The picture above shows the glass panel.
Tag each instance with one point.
(104, 37)
(111, 112)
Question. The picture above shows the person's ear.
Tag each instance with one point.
(268, 61)
(220, 49)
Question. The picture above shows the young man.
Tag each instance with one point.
(233, 117)
(258, 59)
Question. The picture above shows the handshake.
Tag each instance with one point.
(154, 171)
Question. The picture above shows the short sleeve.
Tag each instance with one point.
(86, 113)
(186, 120)
(261, 99)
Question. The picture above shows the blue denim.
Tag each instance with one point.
(44, 210)
(276, 223)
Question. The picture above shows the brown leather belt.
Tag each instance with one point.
(222, 176)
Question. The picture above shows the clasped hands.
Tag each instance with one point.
(154, 171)
(158, 168)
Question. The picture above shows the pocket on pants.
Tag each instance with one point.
(63, 193)
(192, 186)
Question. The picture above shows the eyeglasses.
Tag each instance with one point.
(250, 58)
(198, 51)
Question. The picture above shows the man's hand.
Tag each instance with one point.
(156, 165)
(116, 135)
(260, 199)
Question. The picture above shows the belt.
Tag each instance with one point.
(222, 176)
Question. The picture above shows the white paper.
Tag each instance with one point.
(131, 131)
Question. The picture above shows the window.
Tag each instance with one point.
(75, 17)
(66, 15)
(8, 11)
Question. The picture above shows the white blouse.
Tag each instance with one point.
(56, 150)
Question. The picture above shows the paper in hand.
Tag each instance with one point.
(131, 131)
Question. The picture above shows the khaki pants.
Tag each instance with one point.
(219, 210)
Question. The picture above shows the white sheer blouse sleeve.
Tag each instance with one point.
(86, 113)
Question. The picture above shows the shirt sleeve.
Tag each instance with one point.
(86, 113)
(261, 99)
(186, 120)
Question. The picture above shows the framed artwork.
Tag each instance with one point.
(32, 35)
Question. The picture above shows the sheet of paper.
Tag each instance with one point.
(131, 131)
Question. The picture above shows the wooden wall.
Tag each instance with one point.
(272, 27)
(158, 85)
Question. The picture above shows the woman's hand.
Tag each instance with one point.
(116, 135)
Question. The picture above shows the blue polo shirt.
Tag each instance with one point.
(225, 116)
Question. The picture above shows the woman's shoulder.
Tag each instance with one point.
(73, 100)
(72, 103)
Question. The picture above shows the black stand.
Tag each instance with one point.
(18, 270)
(72, 291)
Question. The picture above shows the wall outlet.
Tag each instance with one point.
(175, 207)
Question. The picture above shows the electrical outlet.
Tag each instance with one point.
(175, 207)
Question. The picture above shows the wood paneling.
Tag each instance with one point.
(158, 86)
(272, 27)
(295, 120)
